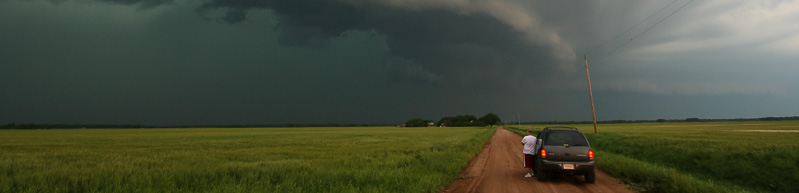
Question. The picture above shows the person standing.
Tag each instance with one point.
(529, 143)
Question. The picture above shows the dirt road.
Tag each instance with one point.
(498, 168)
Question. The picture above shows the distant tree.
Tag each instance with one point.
(460, 121)
(490, 119)
(692, 119)
(478, 123)
(661, 120)
(617, 121)
(445, 122)
(417, 122)
(28, 126)
(464, 120)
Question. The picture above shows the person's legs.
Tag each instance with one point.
(528, 163)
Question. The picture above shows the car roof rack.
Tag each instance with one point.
(560, 127)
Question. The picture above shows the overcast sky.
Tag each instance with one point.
(200, 62)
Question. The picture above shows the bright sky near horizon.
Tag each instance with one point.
(187, 62)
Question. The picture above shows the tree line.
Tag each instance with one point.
(466, 120)
(67, 126)
(453, 121)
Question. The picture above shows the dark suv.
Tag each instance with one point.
(564, 150)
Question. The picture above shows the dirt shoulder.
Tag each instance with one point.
(498, 168)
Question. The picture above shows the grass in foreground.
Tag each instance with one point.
(699, 157)
(381, 159)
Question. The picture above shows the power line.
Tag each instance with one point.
(647, 29)
(672, 13)
(631, 28)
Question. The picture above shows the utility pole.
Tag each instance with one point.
(590, 92)
(531, 120)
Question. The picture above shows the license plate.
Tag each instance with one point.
(568, 166)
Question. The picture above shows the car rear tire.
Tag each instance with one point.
(540, 173)
(590, 177)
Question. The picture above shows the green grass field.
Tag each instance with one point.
(698, 157)
(376, 159)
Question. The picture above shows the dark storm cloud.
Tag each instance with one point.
(386, 61)
(302, 21)
(142, 4)
(430, 45)
(429, 42)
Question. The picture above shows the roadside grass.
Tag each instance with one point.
(648, 177)
(699, 156)
(375, 159)
(522, 131)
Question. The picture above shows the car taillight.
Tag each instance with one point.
(591, 154)
(543, 154)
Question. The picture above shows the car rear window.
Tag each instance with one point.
(571, 138)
